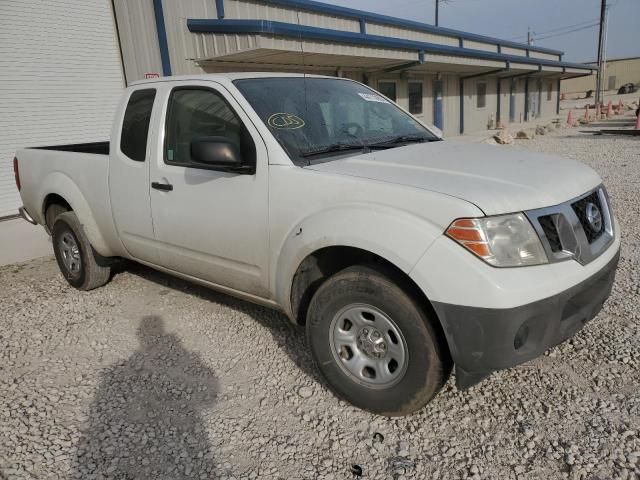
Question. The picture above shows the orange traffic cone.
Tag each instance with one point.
(586, 112)
(638, 122)
(570, 118)
(609, 110)
(620, 107)
(598, 111)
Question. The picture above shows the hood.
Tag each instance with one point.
(496, 179)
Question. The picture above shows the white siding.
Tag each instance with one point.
(408, 34)
(451, 105)
(519, 100)
(549, 102)
(487, 47)
(60, 78)
(477, 118)
(139, 39)
(546, 56)
(234, 9)
(514, 51)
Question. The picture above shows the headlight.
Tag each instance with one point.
(502, 241)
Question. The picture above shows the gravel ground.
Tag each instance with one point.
(151, 377)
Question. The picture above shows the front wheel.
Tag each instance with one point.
(81, 266)
(375, 346)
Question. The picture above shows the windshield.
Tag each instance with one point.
(319, 117)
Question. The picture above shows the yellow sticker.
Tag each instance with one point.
(285, 121)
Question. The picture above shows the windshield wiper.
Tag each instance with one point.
(335, 147)
(401, 139)
(366, 147)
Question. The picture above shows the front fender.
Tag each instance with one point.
(60, 184)
(395, 235)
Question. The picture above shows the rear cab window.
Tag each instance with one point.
(135, 125)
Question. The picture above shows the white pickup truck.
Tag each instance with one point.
(403, 254)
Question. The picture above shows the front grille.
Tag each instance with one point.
(548, 225)
(580, 207)
(566, 232)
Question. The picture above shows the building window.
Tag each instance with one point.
(481, 94)
(388, 89)
(549, 91)
(415, 98)
(611, 82)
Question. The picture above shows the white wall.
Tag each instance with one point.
(60, 78)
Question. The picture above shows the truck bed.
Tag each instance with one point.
(80, 175)
(97, 148)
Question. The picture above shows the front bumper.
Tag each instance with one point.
(483, 340)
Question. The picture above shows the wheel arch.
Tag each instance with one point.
(324, 262)
(50, 200)
(353, 231)
(58, 188)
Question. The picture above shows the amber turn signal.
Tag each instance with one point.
(468, 233)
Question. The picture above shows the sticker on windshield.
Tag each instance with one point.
(372, 97)
(285, 121)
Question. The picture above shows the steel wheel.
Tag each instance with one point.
(70, 253)
(368, 345)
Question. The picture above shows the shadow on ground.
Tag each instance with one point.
(289, 338)
(145, 419)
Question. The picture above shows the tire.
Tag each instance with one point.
(370, 296)
(80, 265)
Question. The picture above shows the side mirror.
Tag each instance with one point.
(216, 152)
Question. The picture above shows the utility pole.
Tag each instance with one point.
(529, 37)
(603, 15)
(437, 8)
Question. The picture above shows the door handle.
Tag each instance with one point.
(165, 187)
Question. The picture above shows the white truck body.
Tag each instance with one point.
(248, 235)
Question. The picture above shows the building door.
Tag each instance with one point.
(61, 78)
(539, 104)
(611, 84)
(534, 100)
(438, 118)
(512, 101)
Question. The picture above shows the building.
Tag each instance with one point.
(617, 72)
(66, 62)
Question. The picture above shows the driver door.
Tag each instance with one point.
(210, 224)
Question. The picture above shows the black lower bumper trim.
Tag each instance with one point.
(483, 340)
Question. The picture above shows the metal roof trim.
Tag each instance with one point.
(269, 27)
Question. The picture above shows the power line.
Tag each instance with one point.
(568, 31)
(558, 29)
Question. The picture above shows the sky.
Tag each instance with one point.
(509, 20)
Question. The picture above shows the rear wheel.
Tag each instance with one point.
(82, 267)
(375, 346)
